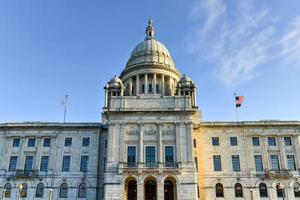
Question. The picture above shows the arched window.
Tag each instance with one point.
(63, 190)
(39, 193)
(7, 190)
(219, 190)
(263, 190)
(280, 191)
(82, 190)
(297, 190)
(238, 188)
(23, 190)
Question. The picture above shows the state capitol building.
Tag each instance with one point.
(150, 145)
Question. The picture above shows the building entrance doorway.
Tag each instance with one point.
(132, 190)
(169, 190)
(150, 190)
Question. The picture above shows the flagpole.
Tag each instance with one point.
(236, 110)
(65, 112)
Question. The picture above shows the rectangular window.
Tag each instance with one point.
(272, 141)
(150, 156)
(84, 163)
(131, 155)
(157, 88)
(233, 141)
(255, 141)
(28, 163)
(68, 142)
(215, 141)
(236, 163)
(16, 142)
(217, 163)
(44, 163)
(47, 142)
(85, 141)
(66, 163)
(105, 144)
(13, 163)
(287, 141)
(31, 142)
(195, 143)
(274, 162)
(258, 163)
(196, 163)
(169, 155)
(291, 162)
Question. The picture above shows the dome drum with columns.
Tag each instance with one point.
(150, 71)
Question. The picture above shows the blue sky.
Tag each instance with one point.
(55, 47)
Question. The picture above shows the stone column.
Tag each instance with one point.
(170, 86)
(106, 98)
(163, 85)
(160, 189)
(141, 144)
(121, 143)
(140, 188)
(195, 97)
(146, 83)
(137, 84)
(296, 145)
(110, 144)
(189, 142)
(265, 155)
(178, 143)
(159, 144)
(130, 86)
(283, 163)
(154, 84)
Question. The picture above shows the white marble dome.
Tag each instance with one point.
(150, 52)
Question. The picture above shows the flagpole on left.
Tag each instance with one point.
(65, 104)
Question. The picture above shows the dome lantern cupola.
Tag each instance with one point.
(150, 30)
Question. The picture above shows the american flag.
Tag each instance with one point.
(239, 100)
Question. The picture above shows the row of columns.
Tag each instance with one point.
(154, 83)
(183, 135)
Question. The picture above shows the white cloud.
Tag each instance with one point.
(234, 37)
(290, 44)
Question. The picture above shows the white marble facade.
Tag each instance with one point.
(150, 145)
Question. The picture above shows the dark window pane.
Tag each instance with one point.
(219, 190)
(31, 142)
(215, 141)
(288, 141)
(44, 163)
(233, 141)
(28, 163)
(16, 142)
(84, 163)
(236, 163)
(255, 141)
(263, 190)
(13, 163)
(68, 142)
(131, 155)
(66, 163)
(238, 190)
(258, 163)
(39, 190)
(217, 163)
(85, 142)
(47, 142)
(272, 141)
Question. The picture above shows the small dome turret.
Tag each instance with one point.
(115, 87)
